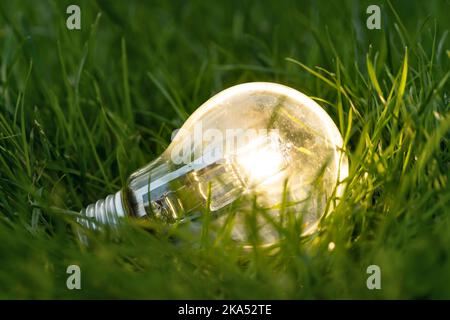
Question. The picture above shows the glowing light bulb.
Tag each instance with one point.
(260, 139)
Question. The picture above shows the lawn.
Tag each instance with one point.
(80, 110)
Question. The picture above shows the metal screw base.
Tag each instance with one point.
(104, 211)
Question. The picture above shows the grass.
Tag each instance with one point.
(81, 110)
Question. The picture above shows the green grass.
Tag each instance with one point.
(81, 110)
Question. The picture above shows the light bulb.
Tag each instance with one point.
(259, 139)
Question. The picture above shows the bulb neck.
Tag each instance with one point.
(105, 211)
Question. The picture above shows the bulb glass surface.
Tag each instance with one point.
(263, 140)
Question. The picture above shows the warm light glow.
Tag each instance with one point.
(261, 161)
(261, 164)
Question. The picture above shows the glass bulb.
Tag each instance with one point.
(263, 140)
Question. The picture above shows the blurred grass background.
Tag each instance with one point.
(81, 110)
